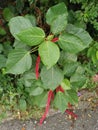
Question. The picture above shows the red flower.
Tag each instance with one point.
(37, 67)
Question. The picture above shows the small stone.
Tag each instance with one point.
(45, 122)
(89, 115)
(35, 122)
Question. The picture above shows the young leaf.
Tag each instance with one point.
(66, 84)
(18, 62)
(49, 53)
(18, 24)
(60, 101)
(32, 36)
(56, 16)
(52, 77)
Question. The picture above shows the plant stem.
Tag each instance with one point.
(34, 49)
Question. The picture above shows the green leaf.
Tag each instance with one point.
(60, 101)
(49, 53)
(20, 45)
(32, 36)
(92, 54)
(36, 91)
(80, 69)
(69, 68)
(2, 31)
(80, 33)
(1, 48)
(55, 11)
(52, 77)
(56, 16)
(7, 14)
(66, 57)
(18, 61)
(2, 61)
(7, 47)
(19, 5)
(33, 87)
(70, 43)
(78, 80)
(40, 100)
(32, 19)
(22, 105)
(59, 24)
(65, 84)
(74, 39)
(18, 24)
(71, 96)
(97, 55)
(28, 78)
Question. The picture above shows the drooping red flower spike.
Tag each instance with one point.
(55, 39)
(37, 67)
(71, 113)
(50, 95)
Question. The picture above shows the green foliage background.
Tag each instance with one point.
(27, 28)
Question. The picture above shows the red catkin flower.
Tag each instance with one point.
(55, 39)
(71, 113)
(50, 95)
(37, 67)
